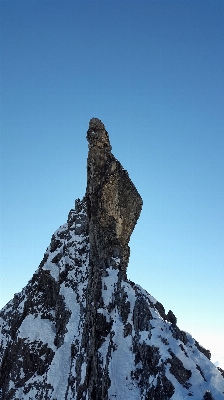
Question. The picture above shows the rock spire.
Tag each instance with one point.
(113, 208)
(79, 329)
(113, 202)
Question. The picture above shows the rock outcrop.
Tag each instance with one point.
(113, 203)
(80, 329)
(113, 208)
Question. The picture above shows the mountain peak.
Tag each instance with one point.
(113, 202)
(80, 329)
(97, 134)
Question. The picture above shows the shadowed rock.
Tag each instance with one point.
(113, 202)
(113, 208)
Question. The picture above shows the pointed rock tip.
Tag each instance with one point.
(96, 124)
(97, 134)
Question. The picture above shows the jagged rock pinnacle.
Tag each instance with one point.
(97, 134)
(113, 202)
(113, 208)
(80, 330)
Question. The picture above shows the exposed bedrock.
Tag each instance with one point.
(113, 208)
(113, 202)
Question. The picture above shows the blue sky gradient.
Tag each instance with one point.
(153, 72)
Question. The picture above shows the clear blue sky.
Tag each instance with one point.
(153, 72)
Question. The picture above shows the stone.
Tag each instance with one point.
(206, 352)
(80, 329)
(208, 395)
(177, 368)
(113, 202)
(171, 317)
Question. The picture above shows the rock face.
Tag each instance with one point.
(113, 203)
(113, 207)
(80, 329)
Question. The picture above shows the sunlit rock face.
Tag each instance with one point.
(113, 203)
(80, 329)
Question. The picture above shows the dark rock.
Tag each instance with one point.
(208, 395)
(163, 390)
(149, 358)
(55, 244)
(178, 334)
(160, 309)
(221, 370)
(31, 358)
(165, 341)
(127, 329)
(200, 370)
(113, 203)
(44, 260)
(141, 315)
(171, 317)
(113, 207)
(57, 258)
(183, 349)
(207, 353)
(177, 369)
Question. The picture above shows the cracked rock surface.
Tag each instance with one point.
(80, 329)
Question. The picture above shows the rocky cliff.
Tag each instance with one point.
(80, 329)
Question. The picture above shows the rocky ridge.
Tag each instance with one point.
(80, 329)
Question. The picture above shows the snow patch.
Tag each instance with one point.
(35, 328)
(53, 268)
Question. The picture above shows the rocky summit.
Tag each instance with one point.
(80, 329)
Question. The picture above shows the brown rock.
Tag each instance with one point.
(113, 202)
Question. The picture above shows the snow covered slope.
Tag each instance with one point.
(45, 347)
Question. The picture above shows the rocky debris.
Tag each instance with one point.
(80, 330)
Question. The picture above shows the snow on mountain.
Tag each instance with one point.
(80, 329)
(41, 334)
